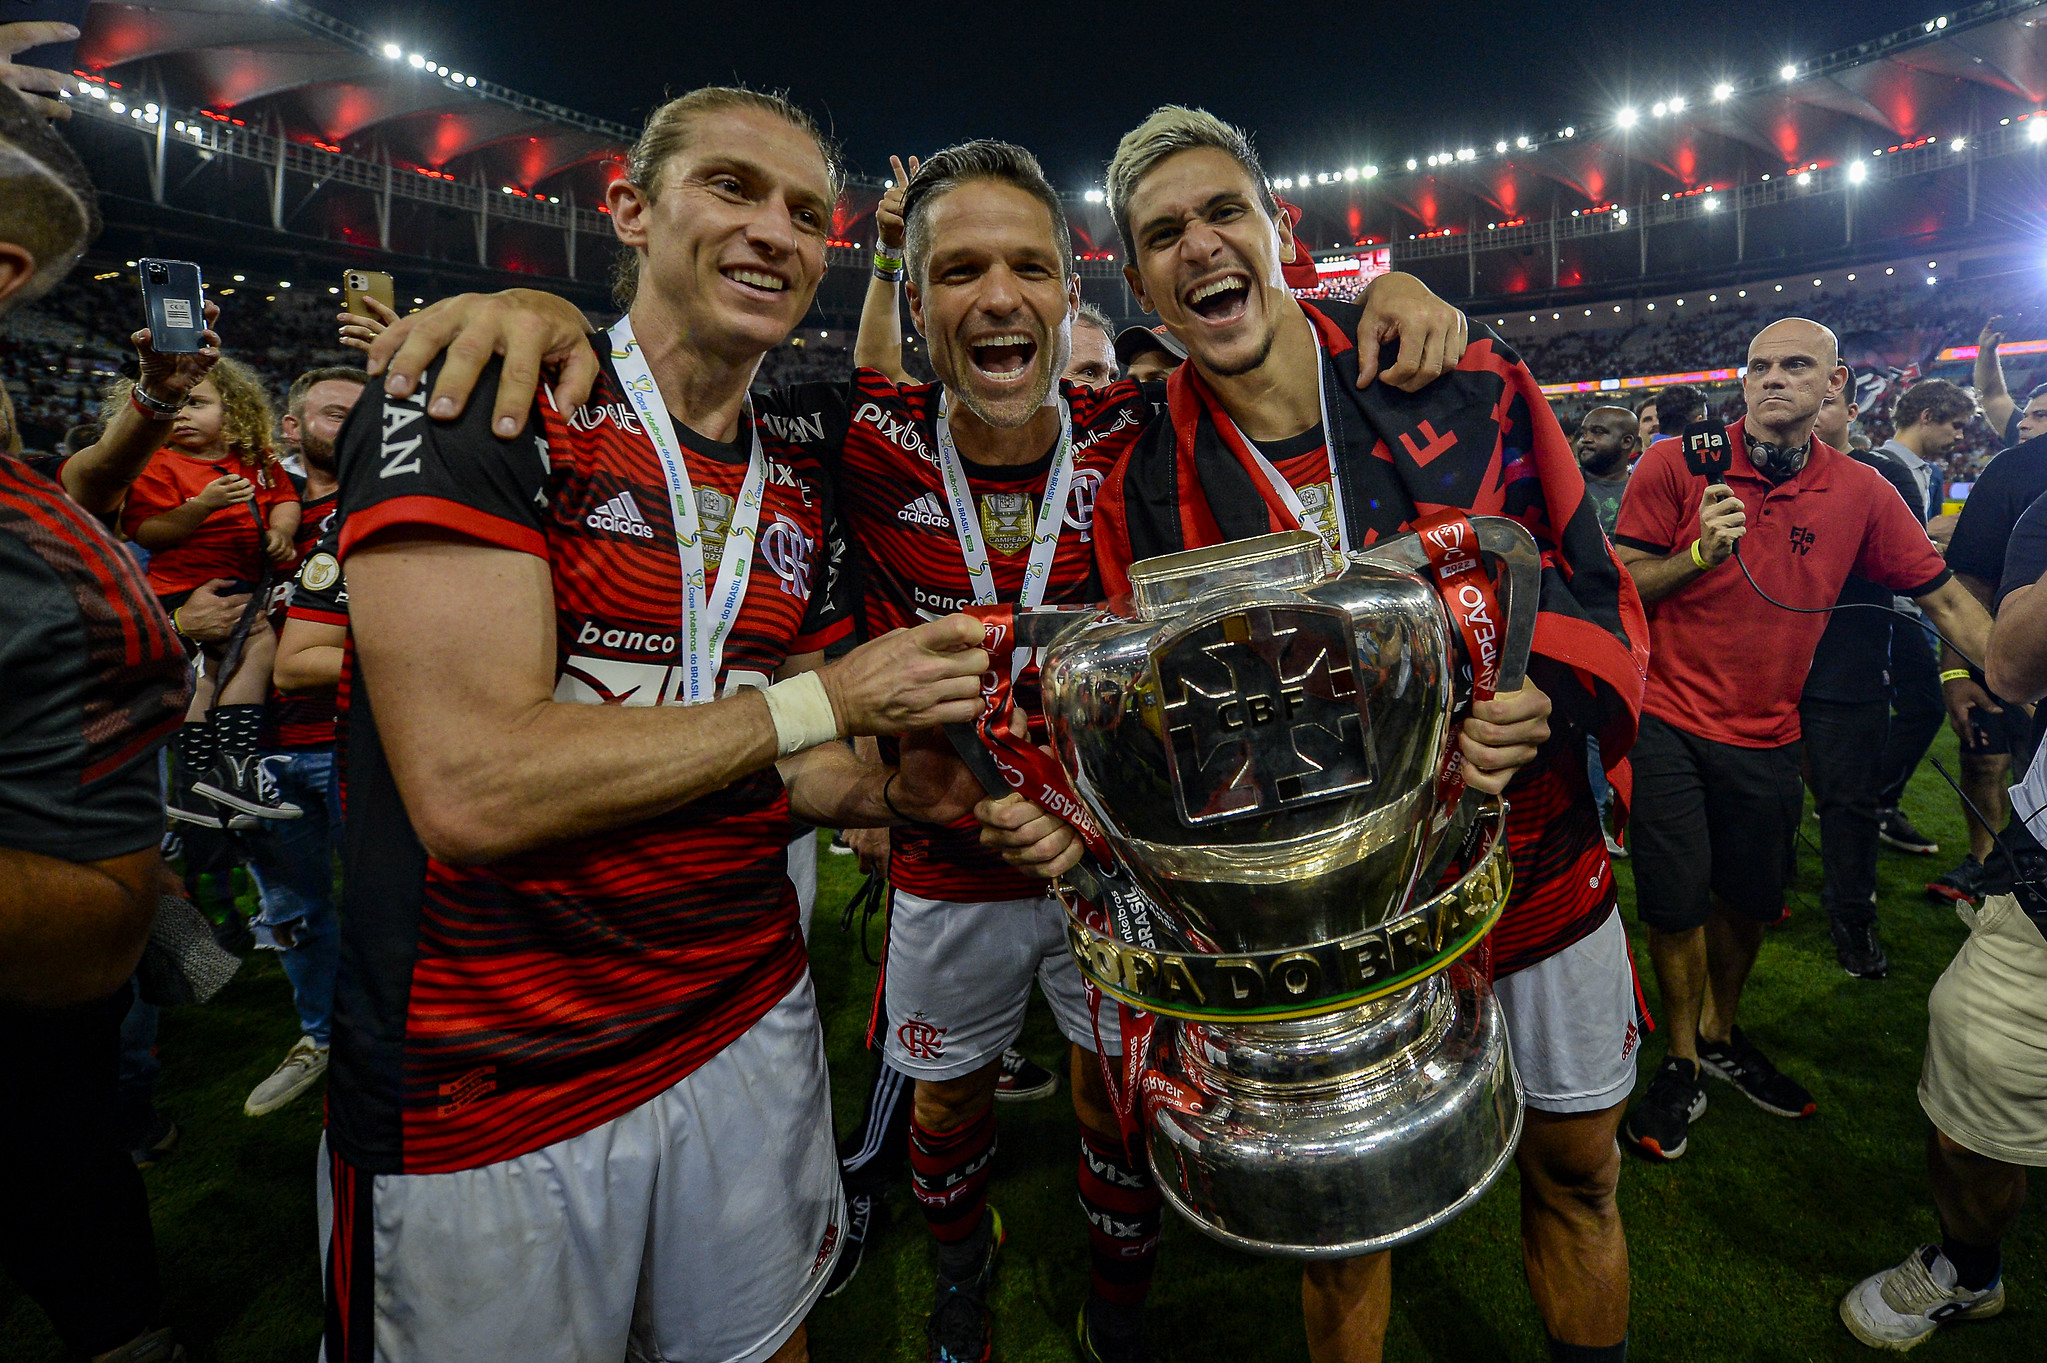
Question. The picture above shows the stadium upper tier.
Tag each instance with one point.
(357, 137)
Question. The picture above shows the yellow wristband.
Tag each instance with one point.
(1955, 674)
(180, 629)
(1699, 558)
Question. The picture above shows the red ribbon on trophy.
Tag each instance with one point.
(1027, 768)
(1466, 589)
(1036, 775)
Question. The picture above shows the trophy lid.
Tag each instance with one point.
(1290, 558)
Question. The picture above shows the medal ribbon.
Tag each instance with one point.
(1281, 488)
(702, 647)
(966, 525)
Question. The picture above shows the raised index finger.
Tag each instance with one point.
(31, 33)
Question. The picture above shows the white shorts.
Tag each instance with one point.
(1984, 1080)
(1572, 1023)
(699, 1227)
(957, 977)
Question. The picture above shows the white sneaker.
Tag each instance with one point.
(1901, 1307)
(303, 1065)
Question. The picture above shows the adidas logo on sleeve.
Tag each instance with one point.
(927, 511)
(621, 515)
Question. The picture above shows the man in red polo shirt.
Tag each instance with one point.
(1716, 763)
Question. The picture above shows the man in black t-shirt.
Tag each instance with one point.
(2014, 422)
(1844, 714)
(1997, 739)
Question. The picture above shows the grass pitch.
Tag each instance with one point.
(1740, 1251)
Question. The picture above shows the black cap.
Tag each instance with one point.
(1134, 341)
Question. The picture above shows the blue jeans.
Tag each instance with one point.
(293, 863)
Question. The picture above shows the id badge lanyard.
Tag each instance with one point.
(1045, 532)
(707, 616)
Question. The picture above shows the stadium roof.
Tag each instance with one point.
(1949, 76)
(278, 62)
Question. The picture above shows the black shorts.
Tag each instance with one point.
(2010, 731)
(1710, 819)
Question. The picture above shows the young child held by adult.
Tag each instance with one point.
(215, 503)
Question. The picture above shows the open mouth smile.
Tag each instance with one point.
(1003, 358)
(756, 281)
(1222, 299)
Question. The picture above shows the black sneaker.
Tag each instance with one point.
(1860, 951)
(1897, 831)
(1022, 1078)
(861, 1212)
(1737, 1061)
(155, 1141)
(245, 785)
(961, 1328)
(1112, 1334)
(184, 805)
(1660, 1124)
(1963, 885)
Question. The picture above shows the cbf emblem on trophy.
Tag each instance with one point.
(1262, 735)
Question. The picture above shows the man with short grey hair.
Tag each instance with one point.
(1093, 361)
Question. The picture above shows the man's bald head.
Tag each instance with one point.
(1801, 331)
(1793, 365)
(1607, 439)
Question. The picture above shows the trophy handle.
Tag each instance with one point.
(1511, 556)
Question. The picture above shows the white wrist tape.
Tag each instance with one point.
(802, 712)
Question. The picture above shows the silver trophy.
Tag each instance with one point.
(1262, 735)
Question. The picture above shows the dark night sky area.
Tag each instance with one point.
(1320, 86)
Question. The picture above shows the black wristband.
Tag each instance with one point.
(886, 800)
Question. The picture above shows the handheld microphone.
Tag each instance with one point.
(1708, 453)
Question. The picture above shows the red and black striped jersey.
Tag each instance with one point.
(92, 680)
(483, 1012)
(881, 443)
(296, 722)
(1563, 881)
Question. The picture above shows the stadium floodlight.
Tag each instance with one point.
(1432, 159)
(1723, 92)
(1805, 177)
(1677, 104)
(1093, 196)
(1410, 163)
(1626, 117)
(1471, 153)
(241, 279)
(1940, 22)
(118, 107)
(1659, 108)
(1370, 171)
(1931, 279)
(1851, 278)
(415, 61)
(393, 51)
(1500, 146)
(1521, 142)
(1890, 269)
(149, 108)
(1712, 298)
(1350, 172)
(2036, 129)
(1712, 205)
(1788, 71)
(1957, 143)
(1858, 171)
(1570, 132)
(456, 76)
(1933, 265)
(1620, 217)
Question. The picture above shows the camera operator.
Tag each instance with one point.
(92, 683)
(1983, 1083)
(1716, 765)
